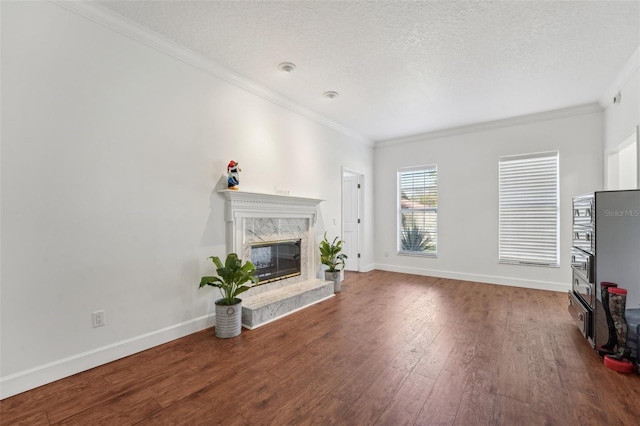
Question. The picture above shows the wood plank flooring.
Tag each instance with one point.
(390, 349)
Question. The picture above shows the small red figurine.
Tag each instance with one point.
(234, 175)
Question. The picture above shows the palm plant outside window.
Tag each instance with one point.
(418, 210)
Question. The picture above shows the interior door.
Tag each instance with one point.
(350, 220)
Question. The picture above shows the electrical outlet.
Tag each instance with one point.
(98, 318)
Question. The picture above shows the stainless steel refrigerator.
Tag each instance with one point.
(606, 248)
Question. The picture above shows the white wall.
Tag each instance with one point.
(621, 120)
(468, 194)
(111, 153)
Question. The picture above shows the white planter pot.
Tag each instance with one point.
(336, 278)
(228, 319)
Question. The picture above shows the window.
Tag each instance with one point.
(418, 210)
(528, 209)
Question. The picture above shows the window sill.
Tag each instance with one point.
(514, 262)
(417, 254)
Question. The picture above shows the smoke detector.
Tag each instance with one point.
(287, 67)
(331, 94)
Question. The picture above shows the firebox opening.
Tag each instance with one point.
(276, 260)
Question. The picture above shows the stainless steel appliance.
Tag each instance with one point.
(605, 248)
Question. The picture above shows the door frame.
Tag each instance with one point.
(611, 156)
(360, 178)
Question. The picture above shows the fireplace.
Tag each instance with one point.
(258, 220)
(276, 260)
(277, 233)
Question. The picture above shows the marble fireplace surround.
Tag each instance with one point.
(252, 218)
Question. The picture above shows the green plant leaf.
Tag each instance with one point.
(241, 289)
(208, 281)
(330, 253)
(231, 277)
(216, 261)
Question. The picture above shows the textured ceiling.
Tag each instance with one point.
(404, 68)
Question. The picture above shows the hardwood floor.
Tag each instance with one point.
(390, 349)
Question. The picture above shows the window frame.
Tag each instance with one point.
(399, 213)
(525, 193)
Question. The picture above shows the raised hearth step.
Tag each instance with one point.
(262, 308)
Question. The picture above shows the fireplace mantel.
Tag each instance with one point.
(248, 204)
(241, 206)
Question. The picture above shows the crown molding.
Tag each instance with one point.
(632, 65)
(105, 17)
(497, 124)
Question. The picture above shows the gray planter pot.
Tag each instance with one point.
(228, 319)
(336, 278)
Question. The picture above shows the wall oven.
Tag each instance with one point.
(582, 274)
(582, 296)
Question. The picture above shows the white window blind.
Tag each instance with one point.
(418, 210)
(528, 209)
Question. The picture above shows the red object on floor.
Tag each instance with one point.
(617, 290)
(624, 366)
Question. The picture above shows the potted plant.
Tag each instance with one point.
(231, 280)
(332, 256)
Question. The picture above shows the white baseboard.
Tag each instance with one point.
(367, 268)
(489, 279)
(29, 379)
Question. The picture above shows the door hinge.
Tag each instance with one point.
(358, 186)
(358, 220)
(358, 255)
